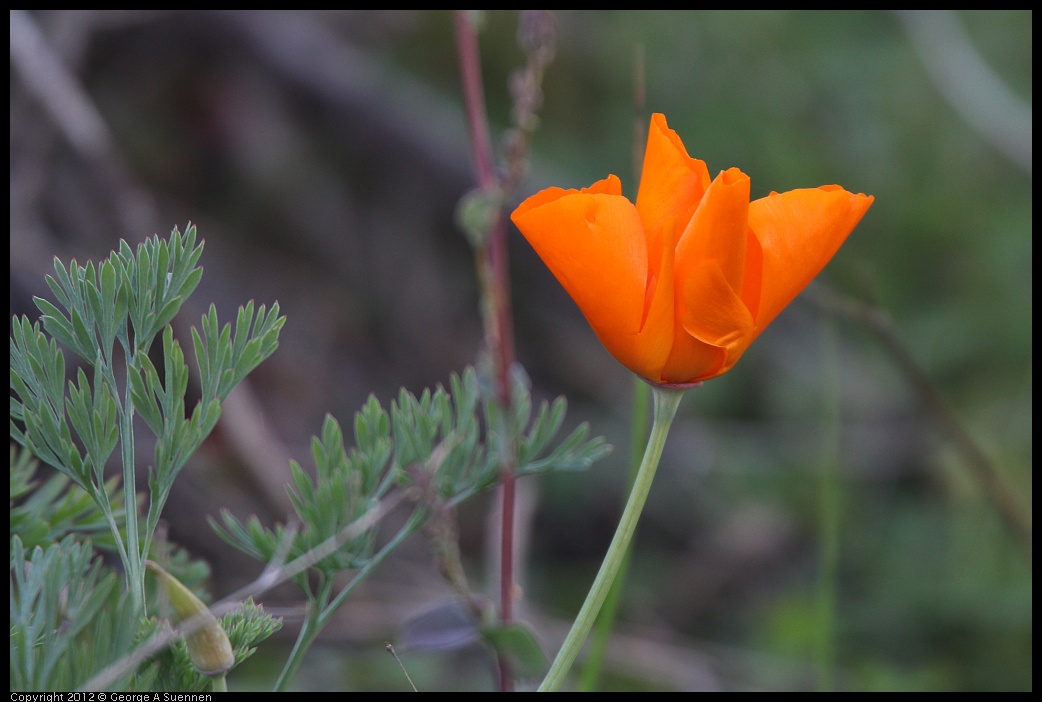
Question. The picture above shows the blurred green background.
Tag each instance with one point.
(322, 154)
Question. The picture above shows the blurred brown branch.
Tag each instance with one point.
(988, 475)
(49, 79)
(976, 92)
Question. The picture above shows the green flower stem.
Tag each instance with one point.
(666, 401)
(591, 672)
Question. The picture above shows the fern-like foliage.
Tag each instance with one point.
(434, 442)
(110, 315)
(436, 449)
(69, 617)
(172, 668)
(43, 512)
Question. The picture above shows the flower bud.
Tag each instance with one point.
(208, 645)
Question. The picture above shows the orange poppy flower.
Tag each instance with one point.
(677, 286)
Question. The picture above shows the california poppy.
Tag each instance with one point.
(679, 284)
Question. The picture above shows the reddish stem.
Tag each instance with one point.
(493, 271)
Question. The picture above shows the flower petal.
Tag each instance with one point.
(710, 310)
(690, 360)
(608, 186)
(712, 320)
(593, 242)
(651, 346)
(671, 184)
(719, 229)
(799, 232)
(678, 285)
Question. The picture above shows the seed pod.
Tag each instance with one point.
(208, 646)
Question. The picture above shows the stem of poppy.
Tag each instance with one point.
(666, 401)
(606, 618)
